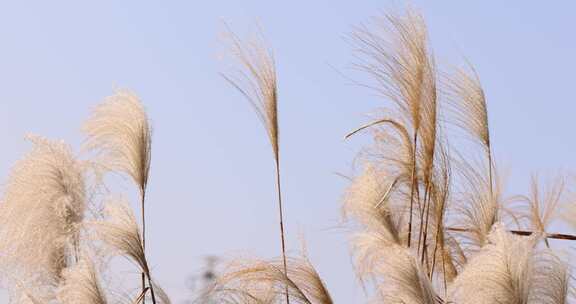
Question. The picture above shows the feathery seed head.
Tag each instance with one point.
(80, 284)
(256, 80)
(120, 232)
(258, 281)
(119, 132)
(40, 217)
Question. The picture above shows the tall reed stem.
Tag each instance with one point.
(143, 209)
(425, 233)
(439, 232)
(281, 214)
(145, 273)
(422, 217)
(151, 289)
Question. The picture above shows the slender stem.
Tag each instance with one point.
(422, 217)
(151, 289)
(425, 234)
(366, 127)
(440, 233)
(385, 196)
(278, 187)
(425, 229)
(425, 253)
(144, 287)
(557, 236)
(412, 188)
(146, 270)
(143, 197)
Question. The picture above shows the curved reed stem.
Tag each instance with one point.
(556, 236)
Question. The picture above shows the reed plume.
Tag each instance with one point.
(40, 218)
(256, 80)
(119, 132)
(411, 176)
(367, 200)
(406, 281)
(81, 285)
(261, 281)
(411, 169)
(551, 279)
(470, 111)
(499, 273)
(398, 276)
(379, 249)
(433, 196)
(121, 234)
(479, 207)
(509, 269)
(542, 207)
(395, 54)
(446, 250)
(392, 148)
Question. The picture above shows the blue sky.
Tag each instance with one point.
(211, 189)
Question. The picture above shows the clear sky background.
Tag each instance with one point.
(211, 188)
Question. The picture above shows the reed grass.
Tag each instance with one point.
(456, 210)
(119, 133)
(428, 224)
(256, 80)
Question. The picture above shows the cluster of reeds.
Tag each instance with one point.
(431, 221)
(55, 237)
